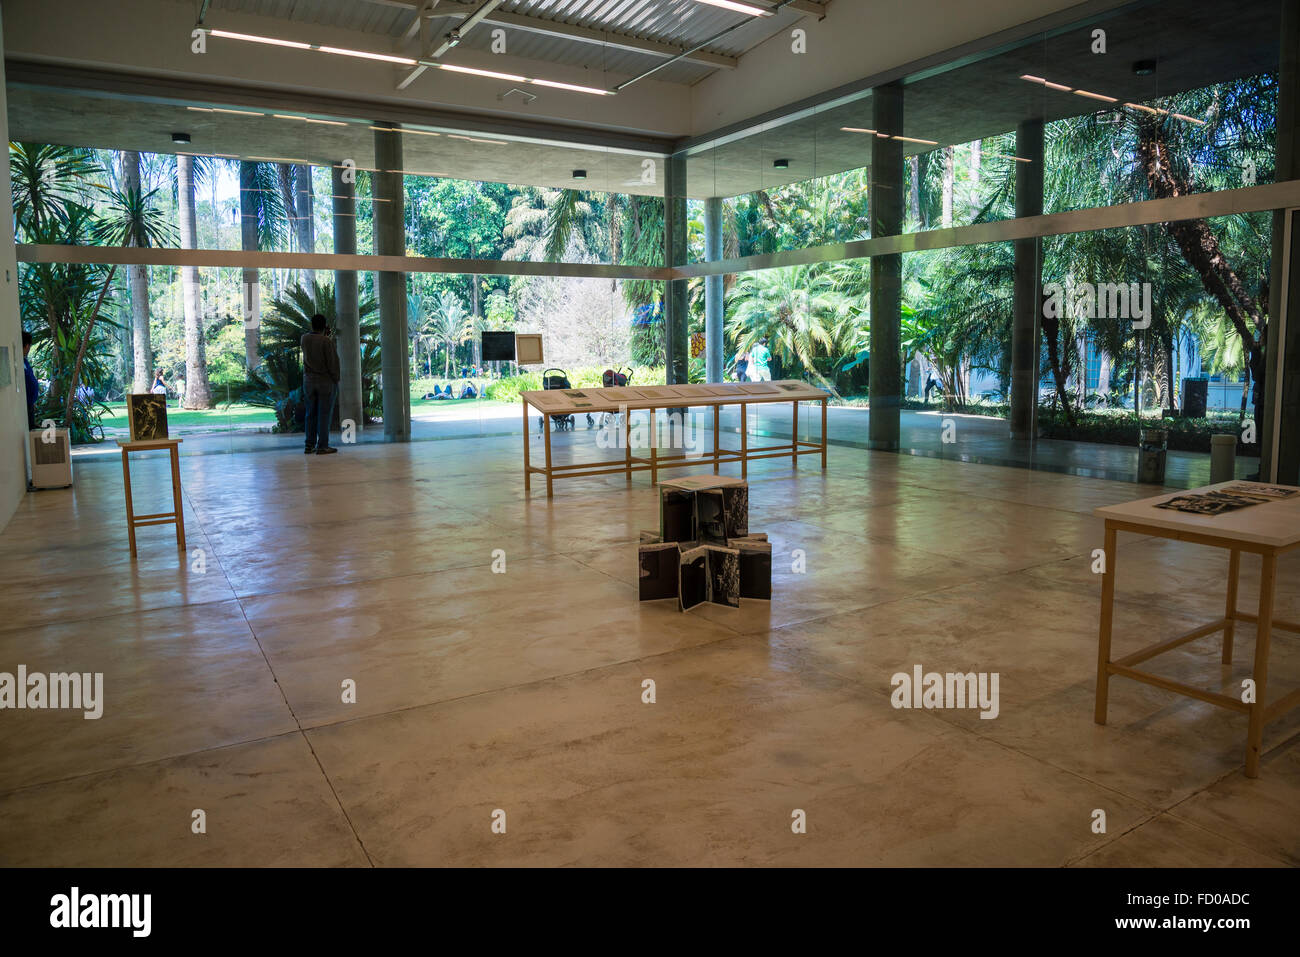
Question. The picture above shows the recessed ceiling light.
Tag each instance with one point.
(180, 138)
(781, 163)
(579, 174)
(1144, 67)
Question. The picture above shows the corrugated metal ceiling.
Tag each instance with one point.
(680, 23)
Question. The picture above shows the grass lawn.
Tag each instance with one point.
(235, 417)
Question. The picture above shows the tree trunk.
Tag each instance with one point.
(1051, 335)
(251, 290)
(1198, 244)
(305, 224)
(474, 311)
(138, 281)
(976, 149)
(948, 182)
(198, 393)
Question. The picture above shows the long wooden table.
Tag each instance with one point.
(1267, 530)
(552, 403)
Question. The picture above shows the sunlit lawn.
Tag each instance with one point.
(234, 417)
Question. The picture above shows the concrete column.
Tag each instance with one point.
(347, 316)
(13, 398)
(390, 240)
(887, 203)
(714, 354)
(1027, 295)
(676, 331)
(1282, 399)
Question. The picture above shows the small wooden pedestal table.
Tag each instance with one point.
(1267, 530)
(177, 515)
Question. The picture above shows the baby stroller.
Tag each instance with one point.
(612, 379)
(563, 423)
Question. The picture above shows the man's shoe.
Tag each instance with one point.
(327, 450)
(309, 449)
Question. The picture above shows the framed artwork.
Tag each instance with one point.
(528, 348)
(148, 415)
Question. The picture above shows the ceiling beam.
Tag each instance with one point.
(433, 50)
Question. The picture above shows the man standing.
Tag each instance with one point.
(30, 381)
(320, 376)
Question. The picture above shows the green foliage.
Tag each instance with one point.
(507, 389)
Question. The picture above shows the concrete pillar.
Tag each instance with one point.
(714, 354)
(347, 317)
(390, 240)
(1027, 296)
(887, 203)
(13, 398)
(676, 330)
(1282, 399)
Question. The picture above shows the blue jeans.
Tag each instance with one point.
(319, 397)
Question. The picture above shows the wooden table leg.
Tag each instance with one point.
(717, 425)
(794, 438)
(546, 432)
(654, 448)
(528, 475)
(1234, 567)
(130, 510)
(1107, 618)
(824, 439)
(744, 440)
(1264, 633)
(626, 415)
(176, 498)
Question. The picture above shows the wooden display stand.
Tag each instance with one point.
(177, 515)
(627, 399)
(1267, 530)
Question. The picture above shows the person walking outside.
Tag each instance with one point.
(320, 377)
(30, 382)
(759, 357)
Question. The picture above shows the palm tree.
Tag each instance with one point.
(797, 309)
(262, 224)
(70, 298)
(448, 325)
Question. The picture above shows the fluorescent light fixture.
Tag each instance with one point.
(571, 86)
(365, 55)
(251, 38)
(1096, 96)
(855, 129)
(278, 159)
(913, 139)
(298, 45)
(217, 109)
(516, 78)
(744, 8)
(513, 78)
(1047, 83)
(1189, 119)
(1144, 109)
(393, 129)
(475, 139)
(199, 109)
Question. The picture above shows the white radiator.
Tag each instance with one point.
(51, 461)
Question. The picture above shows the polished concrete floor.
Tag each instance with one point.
(522, 691)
